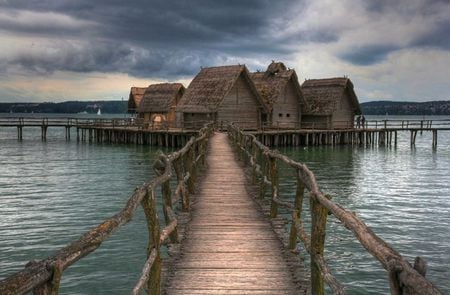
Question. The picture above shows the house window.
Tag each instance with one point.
(280, 115)
(288, 115)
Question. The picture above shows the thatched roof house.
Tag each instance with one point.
(330, 103)
(222, 94)
(136, 94)
(159, 102)
(281, 92)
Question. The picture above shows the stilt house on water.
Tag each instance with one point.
(222, 94)
(159, 103)
(330, 104)
(136, 94)
(280, 90)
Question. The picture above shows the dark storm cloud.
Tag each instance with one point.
(144, 37)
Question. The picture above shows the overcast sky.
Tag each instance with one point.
(56, 50)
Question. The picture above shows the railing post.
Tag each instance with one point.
(149, 205)
(255, 157)
(274, 179)
(318, 226)
(298, 205)
(262, 184)
(188, 166)
(184, 197)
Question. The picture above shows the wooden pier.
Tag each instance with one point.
(231, 244)
(229, 247)
(125, 131)
(136, 131)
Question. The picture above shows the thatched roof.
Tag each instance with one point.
(208, 89)
(160, 97)
(136, 94)
(272, 83)
(323, 96)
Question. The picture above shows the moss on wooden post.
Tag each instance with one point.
(274, 179)
(318, 226)
(149, 205)
(297, 211)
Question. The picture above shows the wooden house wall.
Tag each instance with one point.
(316, 121)
(240, 105)
(343, 114)
(285, 112)
(196, 120)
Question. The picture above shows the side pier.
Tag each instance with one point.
(135, 131)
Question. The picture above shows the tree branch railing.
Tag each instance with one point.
(403, 278)
(43, 277)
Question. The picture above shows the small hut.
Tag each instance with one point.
(135, 98)
(330, 103)
(159, 102)
(222, 94)
(281, 92)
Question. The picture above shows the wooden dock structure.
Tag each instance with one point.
(172, 134)
(230, 247)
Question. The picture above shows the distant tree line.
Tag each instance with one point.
(120, 107)
(69, 107)
(406, 108)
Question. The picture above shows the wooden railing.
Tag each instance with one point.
(407, 124)
(122, 123)
(403, 278)
(43, 277)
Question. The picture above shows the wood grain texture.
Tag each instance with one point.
(230, 247)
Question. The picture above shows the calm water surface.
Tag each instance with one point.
(52, 192)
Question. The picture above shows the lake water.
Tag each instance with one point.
(51, 192)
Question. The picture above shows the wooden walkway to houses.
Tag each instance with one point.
(230, 246)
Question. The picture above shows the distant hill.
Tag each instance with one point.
(69, 107)
(120, 107)
(406, 108)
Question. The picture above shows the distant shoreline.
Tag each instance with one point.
(395, 108)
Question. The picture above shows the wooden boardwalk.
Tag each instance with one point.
(230, 247)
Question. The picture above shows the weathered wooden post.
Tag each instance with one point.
(273, 170)
(149, 205)
(160, 166)
(298, 205)
(188, 159)
(262, 184)
(184, 197)
(318, 226)
(255, 157)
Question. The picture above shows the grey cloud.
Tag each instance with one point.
(438, 37)
(367, 55)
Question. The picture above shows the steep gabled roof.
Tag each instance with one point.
(136, 94)
(208, 89)
(273, 82)
(324, 95)
(160, 97)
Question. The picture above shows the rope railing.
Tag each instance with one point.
(403, 278)
(43, 277)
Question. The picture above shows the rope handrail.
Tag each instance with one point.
(263, 161)
(44, 276)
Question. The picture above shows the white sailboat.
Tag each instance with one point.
(99, 112)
